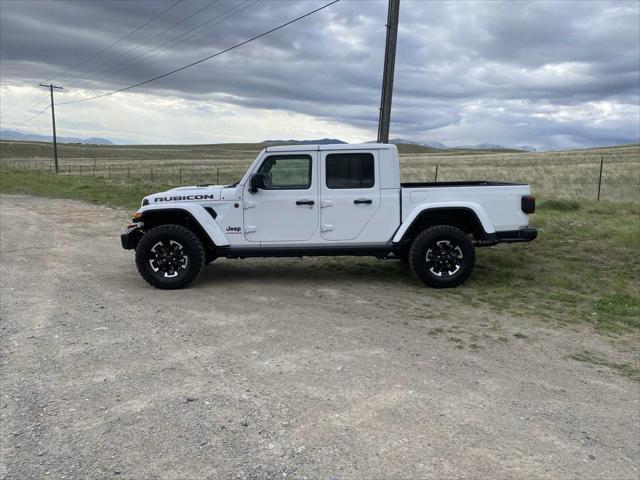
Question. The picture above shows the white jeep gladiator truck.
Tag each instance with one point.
(310, 200)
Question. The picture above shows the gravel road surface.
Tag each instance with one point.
(280, 369)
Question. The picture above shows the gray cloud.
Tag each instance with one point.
(461, 66)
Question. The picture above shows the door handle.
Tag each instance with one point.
(305, 202)
(358, 201)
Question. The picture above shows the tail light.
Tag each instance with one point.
(528, 204)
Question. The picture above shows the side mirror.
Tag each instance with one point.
(256, 182)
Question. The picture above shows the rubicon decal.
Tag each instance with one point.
(184, 197)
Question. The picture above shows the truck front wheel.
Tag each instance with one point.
(170, 256)
(442, 256)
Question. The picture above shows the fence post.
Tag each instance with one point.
(69, 169)
(128, 174)
(180, 182)
(109, 171)
(217, 175)
(600, 177)
(94, 169)
(435, 178)
(151, 168)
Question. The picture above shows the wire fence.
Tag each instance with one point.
(605, 178)
(178, 175)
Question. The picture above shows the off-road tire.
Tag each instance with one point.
(210, 257)
(178, 238)
(444, 249)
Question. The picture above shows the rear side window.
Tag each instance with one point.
(287, 172)
(350, 170)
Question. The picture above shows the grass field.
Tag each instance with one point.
(583, 269)
(563, 174)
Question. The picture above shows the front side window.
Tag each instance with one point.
(350, 170)
(286, 172)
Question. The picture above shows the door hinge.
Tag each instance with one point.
(250, 229)
(326, 203)
(249, 205)
(326, 227)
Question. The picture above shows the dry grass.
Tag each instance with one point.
(562, 174)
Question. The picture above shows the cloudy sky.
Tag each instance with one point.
(550, 74)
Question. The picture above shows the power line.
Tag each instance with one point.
(26, 95)
(159, 48)
(113, 60)
(264, 34)
(26, 106)
(96, 54)
(109, 47)
(35, 116)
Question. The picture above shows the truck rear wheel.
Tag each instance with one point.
(442, 256)
(170, 257)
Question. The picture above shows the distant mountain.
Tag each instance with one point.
(495, 146)
(399, 141)
(322, 141)
(97, 141)
(404, 141)
(17, 135)
(438, 145)
(486, 146)
(442, 146)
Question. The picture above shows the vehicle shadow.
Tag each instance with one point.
(287, 270)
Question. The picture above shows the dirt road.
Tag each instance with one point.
(280, 369)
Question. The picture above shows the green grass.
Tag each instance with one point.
(583, 268)
(91, 189)
(630, 371)
(566, 175)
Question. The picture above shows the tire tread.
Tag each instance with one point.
(195, 245)
(417, 251)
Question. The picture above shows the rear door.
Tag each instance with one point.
(349, 193)
(286, 210)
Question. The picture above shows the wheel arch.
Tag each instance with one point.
(195, 217)
(470, 218)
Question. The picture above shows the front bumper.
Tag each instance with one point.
(525, 234)
(130, 237)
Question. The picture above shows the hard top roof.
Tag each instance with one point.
(333, 146)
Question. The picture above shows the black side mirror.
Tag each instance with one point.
(256, 182)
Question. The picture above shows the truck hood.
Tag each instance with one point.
(185, 194)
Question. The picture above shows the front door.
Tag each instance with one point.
(286, 210)
(349, 194)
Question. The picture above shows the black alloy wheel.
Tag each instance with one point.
(442, 256)
(170, 256)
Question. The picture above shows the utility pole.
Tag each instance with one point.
(51, 87)
(389, 65)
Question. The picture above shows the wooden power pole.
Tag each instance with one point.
(389, 65)
(51, 87)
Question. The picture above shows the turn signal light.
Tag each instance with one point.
(528, 204)
(136, 217)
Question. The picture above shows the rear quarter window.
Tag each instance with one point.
(350, 170)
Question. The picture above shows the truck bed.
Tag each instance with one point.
(474, 183)
(501, 201)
